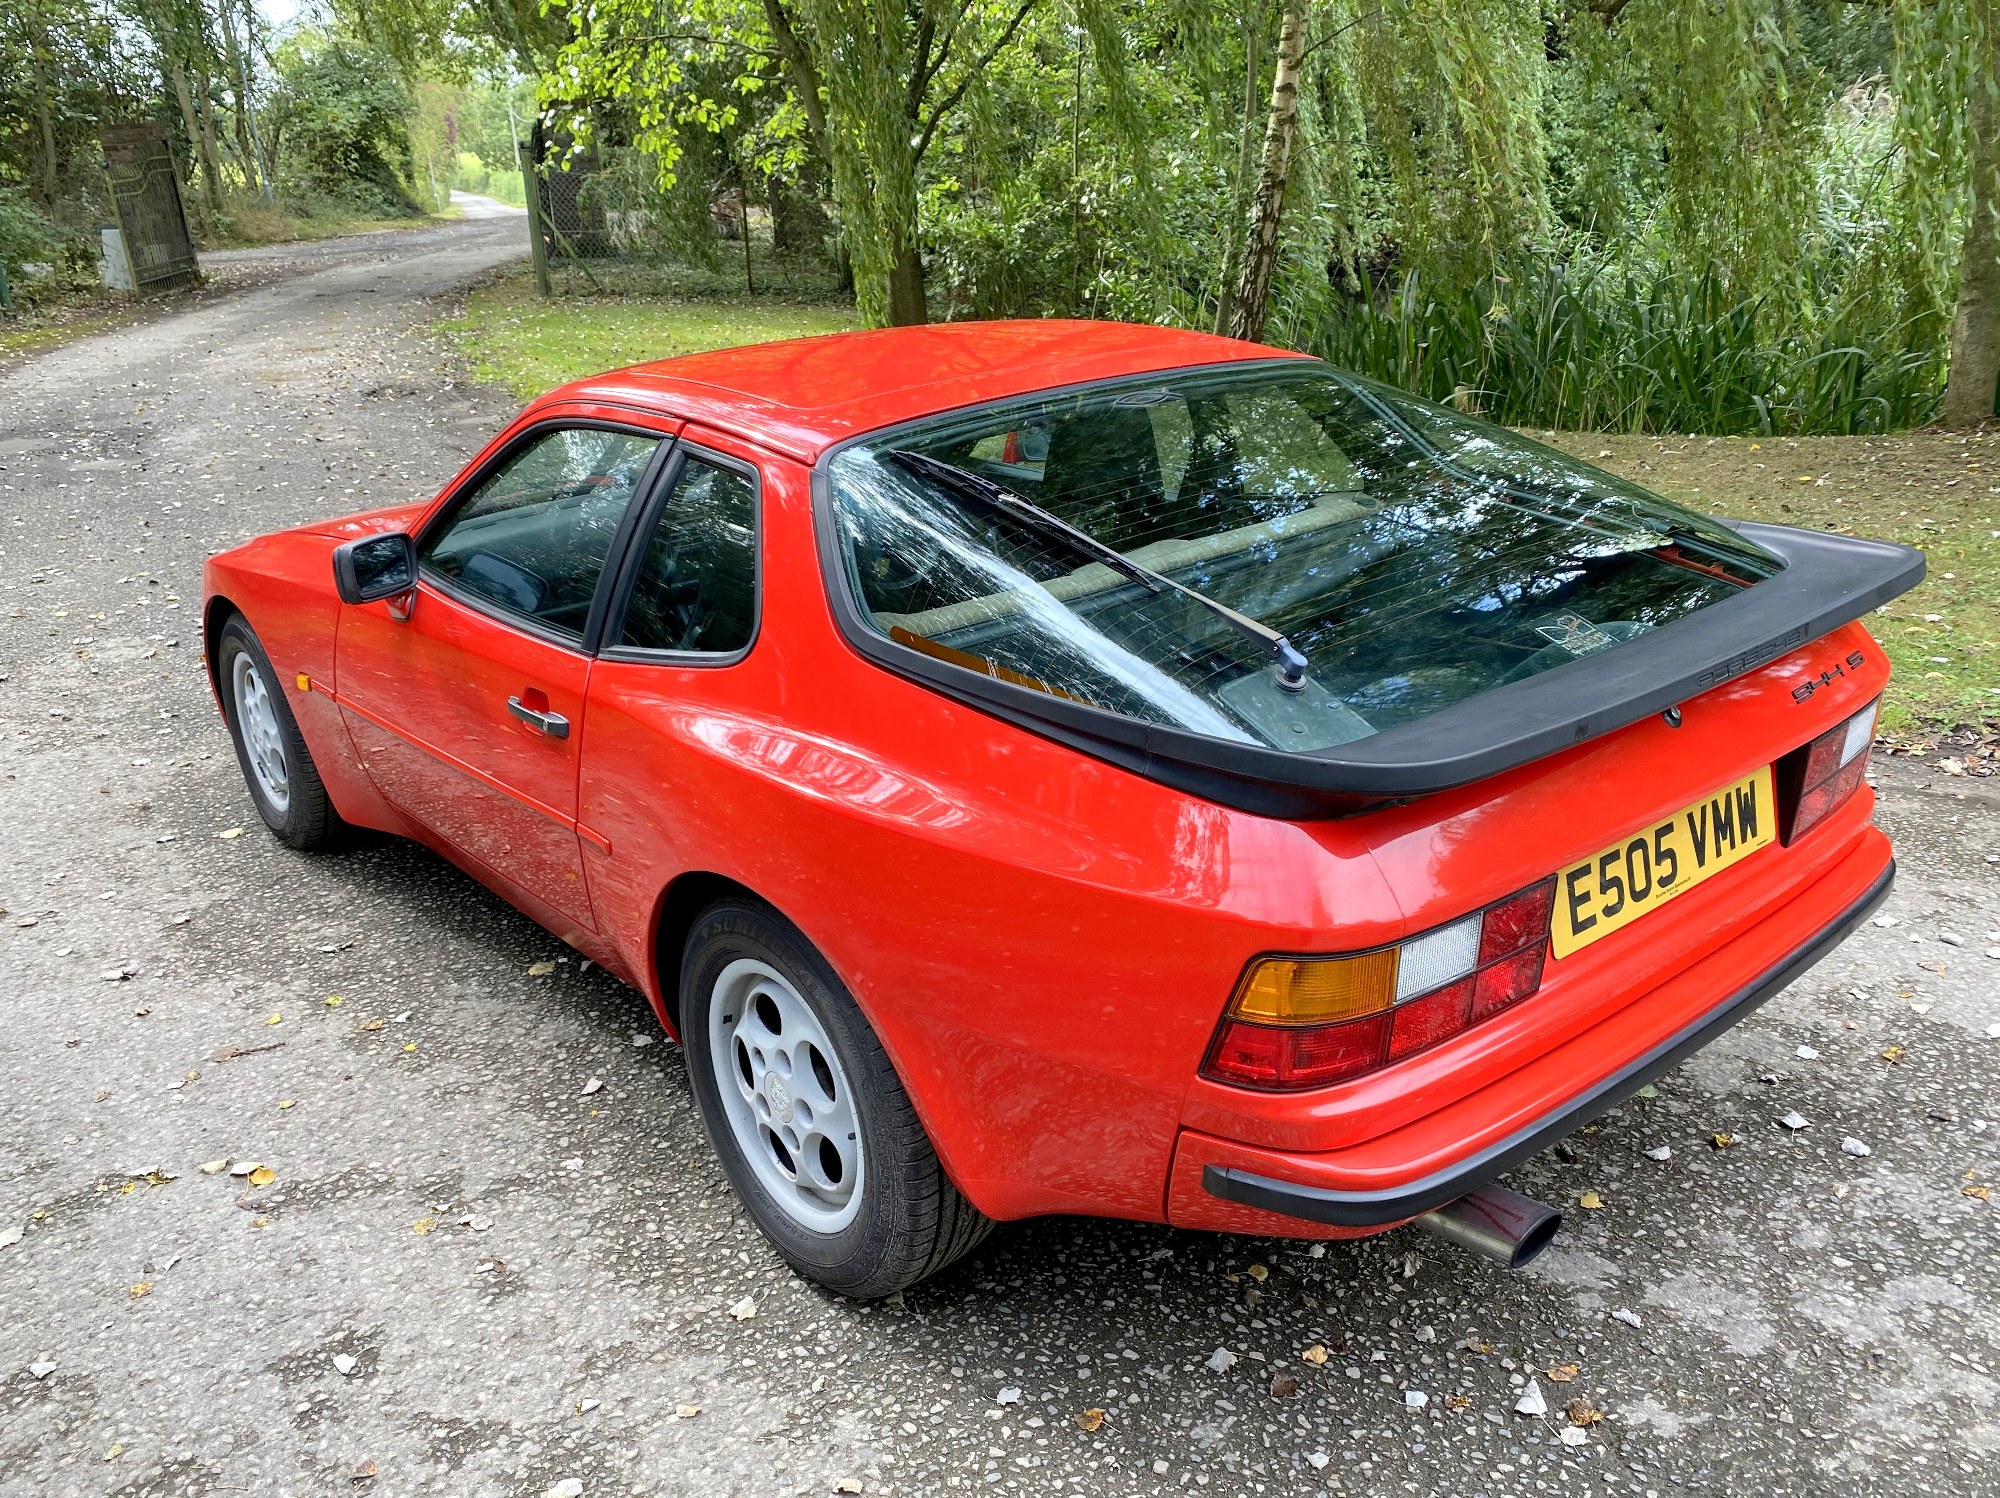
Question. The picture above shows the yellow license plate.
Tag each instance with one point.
(1598, 896)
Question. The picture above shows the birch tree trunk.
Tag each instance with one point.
(1975, 328)
(38, 43)
(1253, 291)
(1246, 161)
(240, 85)
(177, 76)
(211, 158)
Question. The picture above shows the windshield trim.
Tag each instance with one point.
(1824, 581)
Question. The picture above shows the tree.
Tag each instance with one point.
(873, 83)
(1261, 255)
(1975, 329)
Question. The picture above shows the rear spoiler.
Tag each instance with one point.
(1827, 581)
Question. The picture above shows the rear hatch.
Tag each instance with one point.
(1303, 594)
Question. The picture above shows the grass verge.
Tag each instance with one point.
(248, 222)
(511, 336)
(1933, 490)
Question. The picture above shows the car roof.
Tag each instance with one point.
(804, 395)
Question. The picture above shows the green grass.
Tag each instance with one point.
(249, 222)
(1936, 491)
(512, 337)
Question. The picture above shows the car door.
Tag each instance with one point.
(467, 707)
(672, 686)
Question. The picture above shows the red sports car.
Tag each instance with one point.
(1069, 767)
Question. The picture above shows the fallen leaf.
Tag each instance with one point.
(1590, 1201)
(344, 1363)
(1984, 1193)
(1220, 1361)
(363, 1472)
(1415, 1399)
(1258, 1272)
(1532, 1402)
(569, 1487)
(686, 1411)
(593, 1085)
(1315, 1354)
(276, 1019)
(263, 1175)
(409, 1046)
(848, 1485)
(228, 833)
(1563, 1373)
(1893, 1054)
(373, 1024)
(1283, 1384)
(41, 1370)
(540, 969)
(744, 1309)
(1090, 1421)
(143, 1288)
(1722, 1141)
(1582, 1412)
(1796, 1121)
(333, 1001)
(288, 1102)
(423, 1225)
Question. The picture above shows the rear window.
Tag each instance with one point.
(1414, 556)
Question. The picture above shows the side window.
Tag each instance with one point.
(697, 582)
(533, 537)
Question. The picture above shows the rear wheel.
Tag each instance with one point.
(807, 1114)
(278, 768)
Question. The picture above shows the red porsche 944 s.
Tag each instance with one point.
(1077, 768)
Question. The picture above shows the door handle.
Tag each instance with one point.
(555, 725)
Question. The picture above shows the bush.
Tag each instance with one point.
(343, 114)
(27, 238)
(1585, 344)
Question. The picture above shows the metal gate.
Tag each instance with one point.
(139, 168)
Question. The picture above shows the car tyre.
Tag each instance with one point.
(278, 768)
(757, 1003)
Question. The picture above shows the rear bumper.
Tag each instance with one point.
(1250, 1189)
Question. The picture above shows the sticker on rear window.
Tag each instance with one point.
(1575, 634)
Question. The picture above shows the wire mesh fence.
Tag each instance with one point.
(602, 224)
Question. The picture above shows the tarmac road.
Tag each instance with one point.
(468, 1276)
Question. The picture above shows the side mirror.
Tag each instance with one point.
(375, 567)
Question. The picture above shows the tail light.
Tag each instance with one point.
(1814, 779)
(1300, 1022)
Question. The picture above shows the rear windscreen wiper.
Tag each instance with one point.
(1289, 661)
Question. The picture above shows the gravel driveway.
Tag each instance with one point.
(470, 1271)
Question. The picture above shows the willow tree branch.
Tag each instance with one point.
(978, 65)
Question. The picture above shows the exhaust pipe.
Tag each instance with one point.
(1495, 1223)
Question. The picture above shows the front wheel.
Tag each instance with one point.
(806, 1113)
(284, 783)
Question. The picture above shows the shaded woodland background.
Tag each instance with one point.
(1712, 216)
